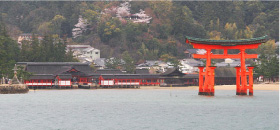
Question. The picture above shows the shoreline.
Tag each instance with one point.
(273, 87)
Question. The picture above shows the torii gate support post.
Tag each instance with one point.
(212, 80)
(251, 80)
(206, 86)
(237, 80)
(200, 91)
(240, 90)
(243, 73)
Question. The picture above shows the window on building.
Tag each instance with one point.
(96, 52)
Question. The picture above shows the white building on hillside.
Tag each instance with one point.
(189, 65)
(85, 53)
(77, 47)
(154, 65)
(92, 53)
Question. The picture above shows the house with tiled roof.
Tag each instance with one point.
(84, 53)
(189, 65)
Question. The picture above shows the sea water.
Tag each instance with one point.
(138, 109)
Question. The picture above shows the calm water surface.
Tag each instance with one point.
(138, 109)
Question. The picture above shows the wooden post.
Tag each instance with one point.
(200, 80)
(212, 80)
(207, 77)
(237, 80)
(225, 52)
(251, 82)
(243, 73)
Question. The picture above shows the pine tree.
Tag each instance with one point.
(129, 65)
(35, 49)
(9, 52)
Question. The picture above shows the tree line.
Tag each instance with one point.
(103, 24)
(50, 49)
(108, 25)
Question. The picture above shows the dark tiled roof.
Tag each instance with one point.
(129, 76)
(84, 69)
(142, 71)
(53, 63)
(172, 72)
(109, 71)
(149, 63)
(42, 76)
(63, 69)
(121, 76)
(65, 76)
(150, 76)
(192, 62)
(191, 76)
(262, 39)
(56, 68)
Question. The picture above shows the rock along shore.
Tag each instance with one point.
(13, 89)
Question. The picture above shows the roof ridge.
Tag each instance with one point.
(262, 39)
(238, 40)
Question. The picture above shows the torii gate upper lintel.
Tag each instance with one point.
(206, 87)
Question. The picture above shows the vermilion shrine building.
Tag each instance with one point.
(206, 78)
(67, 74)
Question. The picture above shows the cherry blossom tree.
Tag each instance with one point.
(143, 18)
(112, 10)
(123, 10)
(80, 27)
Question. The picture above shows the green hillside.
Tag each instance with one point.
(159, 29)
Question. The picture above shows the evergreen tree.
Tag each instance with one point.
(35, 49)
(128, 65)
(25, 52)
(9, 52)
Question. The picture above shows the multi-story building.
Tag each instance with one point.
(92, 53)
(85, 53)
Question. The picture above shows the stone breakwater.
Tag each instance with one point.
(13, 89)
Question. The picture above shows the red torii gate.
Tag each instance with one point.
(206, 87)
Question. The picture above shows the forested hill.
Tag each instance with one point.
(147, 30)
